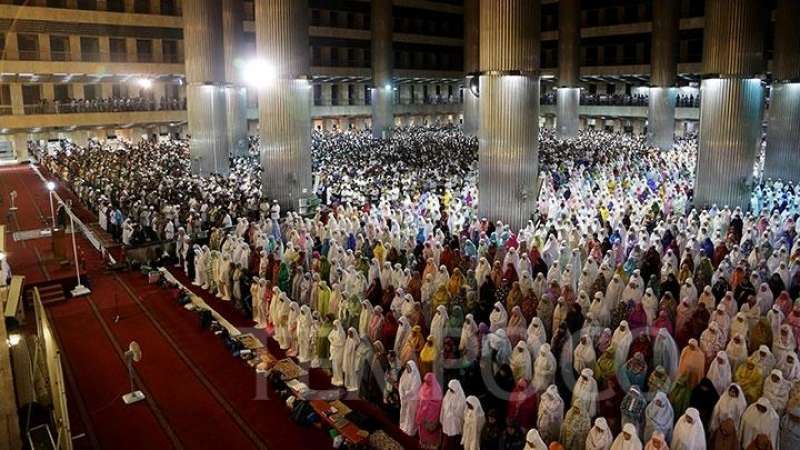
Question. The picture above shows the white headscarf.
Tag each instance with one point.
(754, 422)
(408, 389)
(689, 433)
(498, 318)
(474, 420)
(719, 372)
(728, 407)
(599, 437)
(521, 362)
(453, 406)
(633, 443)
(533, 441)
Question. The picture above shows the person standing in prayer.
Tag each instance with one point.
(633, 407)
(659, 417)
(428, 412)
(759, 418)
(692, 363)
(337, 339)
(599, 437)
(350, 362)
(575, 428)
(627, 439)
(790, 429)
(452, 415)
(551, 414)
(534, 442)
(689, 433)
(656, 442)
(474, 420)
(408, 390)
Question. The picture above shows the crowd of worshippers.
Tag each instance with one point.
(110, 104)
(622, 319)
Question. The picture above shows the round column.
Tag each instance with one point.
(205, 90)
(663, 72)
(732, 102)
(382, 55)
(471, 66)
(235, 92)
(509, 112)
(284, 100)
(568, 94)
(783, 133)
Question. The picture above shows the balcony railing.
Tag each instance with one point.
(63, 55)
(112, 104)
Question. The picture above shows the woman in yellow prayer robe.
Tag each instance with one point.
(427, 357)
(692, 363)
(750, 378)
(413, 346)
(441, 297)
(455, 283)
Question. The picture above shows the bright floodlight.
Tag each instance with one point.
(14, 339)
(146, 83)
(2, 256)
(51, 186)
(388, 87)
(258, 73)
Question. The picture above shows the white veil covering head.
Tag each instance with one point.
(628, 439)
(474, 419)
(452, 413)
(689, 433)
(533, 441)
(599, 437)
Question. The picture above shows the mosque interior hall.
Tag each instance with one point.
(400, 224)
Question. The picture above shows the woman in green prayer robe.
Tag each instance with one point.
(323, 344)
(285, 279)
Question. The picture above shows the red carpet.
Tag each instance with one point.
(199, 396)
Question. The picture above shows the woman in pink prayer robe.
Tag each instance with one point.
(428, 410)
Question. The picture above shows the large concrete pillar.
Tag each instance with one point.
(663, 72)
(382, 54)
(732, 102)
(568, 95)
(205, 90)
(783, 132)
(509, 112)
(471, 66)
(235, 92)
(284, 101)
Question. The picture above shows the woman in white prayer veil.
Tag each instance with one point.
(403, 331)
(737, 351)
(554, 274)
(584, 355)
(621, 341)
(521, 362)
(550, 252)
(627, 439)
(759, 418)
(719, 372)
(498, 318)
(551, 414)
(474, 420)
(350, 363)
(452, 414)
(689, 433)
(337, 338)
(469, 343)
(438, 326)
(764, 298)
(537, 336)
(776, 390)
(304, 335)
(544, 369)
(789, 367)
(363, 319)
(533, 441)
(658, 417)
(599, 311)
(408, 390)
(783, 342)
(584, 394)
(482, 270)
(539, 285)
(614, 292)
(600, 437)
(731, 405)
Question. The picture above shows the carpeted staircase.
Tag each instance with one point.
(50, 294)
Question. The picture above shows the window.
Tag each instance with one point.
(168, 8)
(335, 94)
(367, 95)
(32, 98)
(28, 46)
(118, 48)
(351, 94)
(61, 92)
(169, 49)
(90, 49)
(55, 3)
(141, 6)
(144, 50)
(5, 94)
(90, 5)
(59, 48)
(591, 56)
(317, 94)
(119, 90)
(115, 5)
(91, 91)
(334, 56)
(610, 55)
